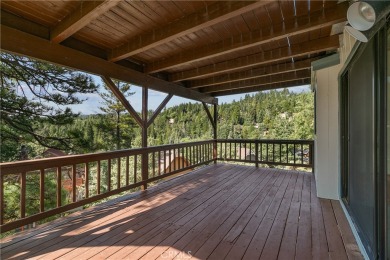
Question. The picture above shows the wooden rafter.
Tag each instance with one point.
(79, 18)
(246, 62)
(208, 16)
(119, 95)
(250, 74)
(315, 21)
(28, 45)
(267, 80)
(293, 83)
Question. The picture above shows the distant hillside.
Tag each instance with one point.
(265, 115)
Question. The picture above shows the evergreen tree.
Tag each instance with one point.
(119, 124)
(35, 93)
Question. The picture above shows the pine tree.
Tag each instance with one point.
(35, 93)
(119, 125)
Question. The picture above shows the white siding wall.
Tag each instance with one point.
(327, 145)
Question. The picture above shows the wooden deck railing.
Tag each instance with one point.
(101, 174)
(57, 185)
(270, 152)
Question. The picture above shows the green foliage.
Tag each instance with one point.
(33, 94)
(119, 124)
(12, 195)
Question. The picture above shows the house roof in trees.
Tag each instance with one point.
(193, 49)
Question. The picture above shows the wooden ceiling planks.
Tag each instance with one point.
(236, 37)
(40, 12)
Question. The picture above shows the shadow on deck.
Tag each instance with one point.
(221, 211)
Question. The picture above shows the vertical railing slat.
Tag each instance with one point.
(135, 169)
(74, 178)
(109, 175)
(23, 195)
(42, 190)
(59, 186)
(86, 172)
(294, 151)
(127, 170)
(98, 179)
(153, 164)
(118, 174)
(165, 162)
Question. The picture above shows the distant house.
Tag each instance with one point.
(173, 162)
(67, 182)
(246, 154)
(51, 152)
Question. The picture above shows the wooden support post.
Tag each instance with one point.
(215, 132)
(257, 153)
(145, 156)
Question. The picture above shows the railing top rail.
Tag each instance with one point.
(47, 163)
(266, 141)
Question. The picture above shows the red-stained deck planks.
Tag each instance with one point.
(217, 212)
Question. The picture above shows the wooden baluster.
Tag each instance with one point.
(23, 195)
(266, 155)
(109, 175)
(86, 170)
(135, 169)
(280, 152)
(98, 172)
(127, 170)
(174, 159)
(230, 150)
(118, 174)
(42, 190)
(287, 154)
(159, 163)
(257, 154)
(220, 151)
(59, 187)
(74, 178)
(186, 151)
(240, 155)
(294, 154)
(190, 154)
(165, 161)
(273, 152)
(154, 164)
(225, 153)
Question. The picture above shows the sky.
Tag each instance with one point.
(92, 102)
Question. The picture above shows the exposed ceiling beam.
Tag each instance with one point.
(246, 62)
(18, 42)
(293, 83)
(208, 16)
(251, 74)
(267, 80)
(314, 21)
(79, 18)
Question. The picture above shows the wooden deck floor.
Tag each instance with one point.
(218, 212)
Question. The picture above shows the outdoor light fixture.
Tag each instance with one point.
(363, 15)
(358, 35)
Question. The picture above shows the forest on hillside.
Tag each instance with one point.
(36, 100)
(265, 115)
